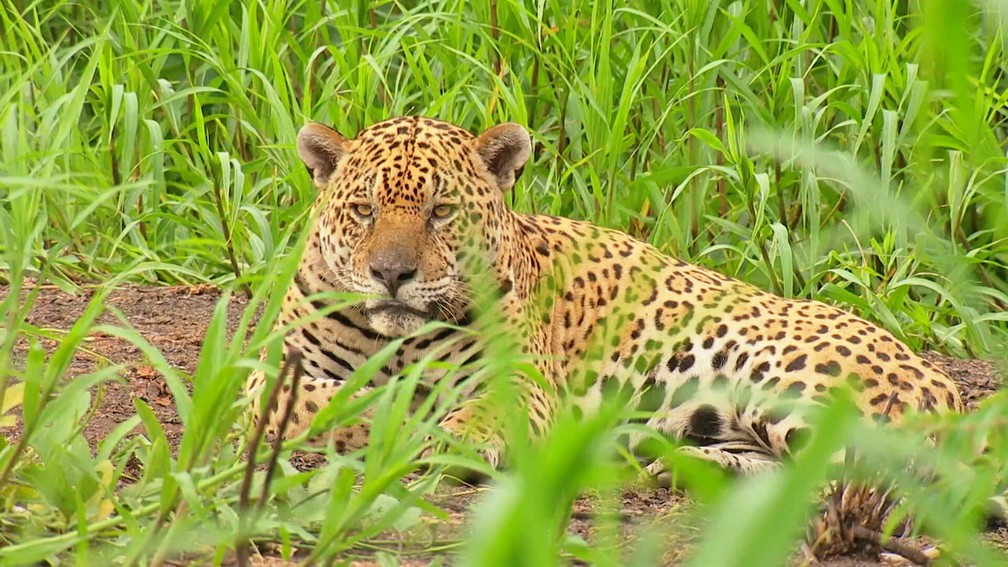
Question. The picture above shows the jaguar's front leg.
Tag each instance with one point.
(481, 420)
(476, 423)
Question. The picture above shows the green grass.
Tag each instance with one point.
(852, 152)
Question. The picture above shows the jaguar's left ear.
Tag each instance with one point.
(505, 148)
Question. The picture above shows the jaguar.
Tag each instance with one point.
(412, 216)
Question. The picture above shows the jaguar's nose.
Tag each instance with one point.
(392, 271)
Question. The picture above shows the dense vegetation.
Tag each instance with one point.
(852, 152)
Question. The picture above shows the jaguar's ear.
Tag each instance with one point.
(321, 148)
(505, 148)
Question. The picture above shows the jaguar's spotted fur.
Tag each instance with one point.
(411, 205)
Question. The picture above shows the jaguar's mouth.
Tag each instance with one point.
(393, 307)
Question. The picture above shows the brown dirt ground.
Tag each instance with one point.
(174, 319)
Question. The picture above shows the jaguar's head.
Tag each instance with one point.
(408, 208)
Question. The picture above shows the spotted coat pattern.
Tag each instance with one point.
(411, 207)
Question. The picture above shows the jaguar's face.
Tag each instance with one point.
(405, 204)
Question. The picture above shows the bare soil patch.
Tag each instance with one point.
(174, 319)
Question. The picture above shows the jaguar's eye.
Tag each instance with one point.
(362, 209)
(442, 212)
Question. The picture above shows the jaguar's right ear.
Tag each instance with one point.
(321, 148)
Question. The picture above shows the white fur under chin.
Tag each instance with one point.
(395, 323)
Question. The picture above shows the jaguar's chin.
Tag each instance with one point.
(394, 319)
